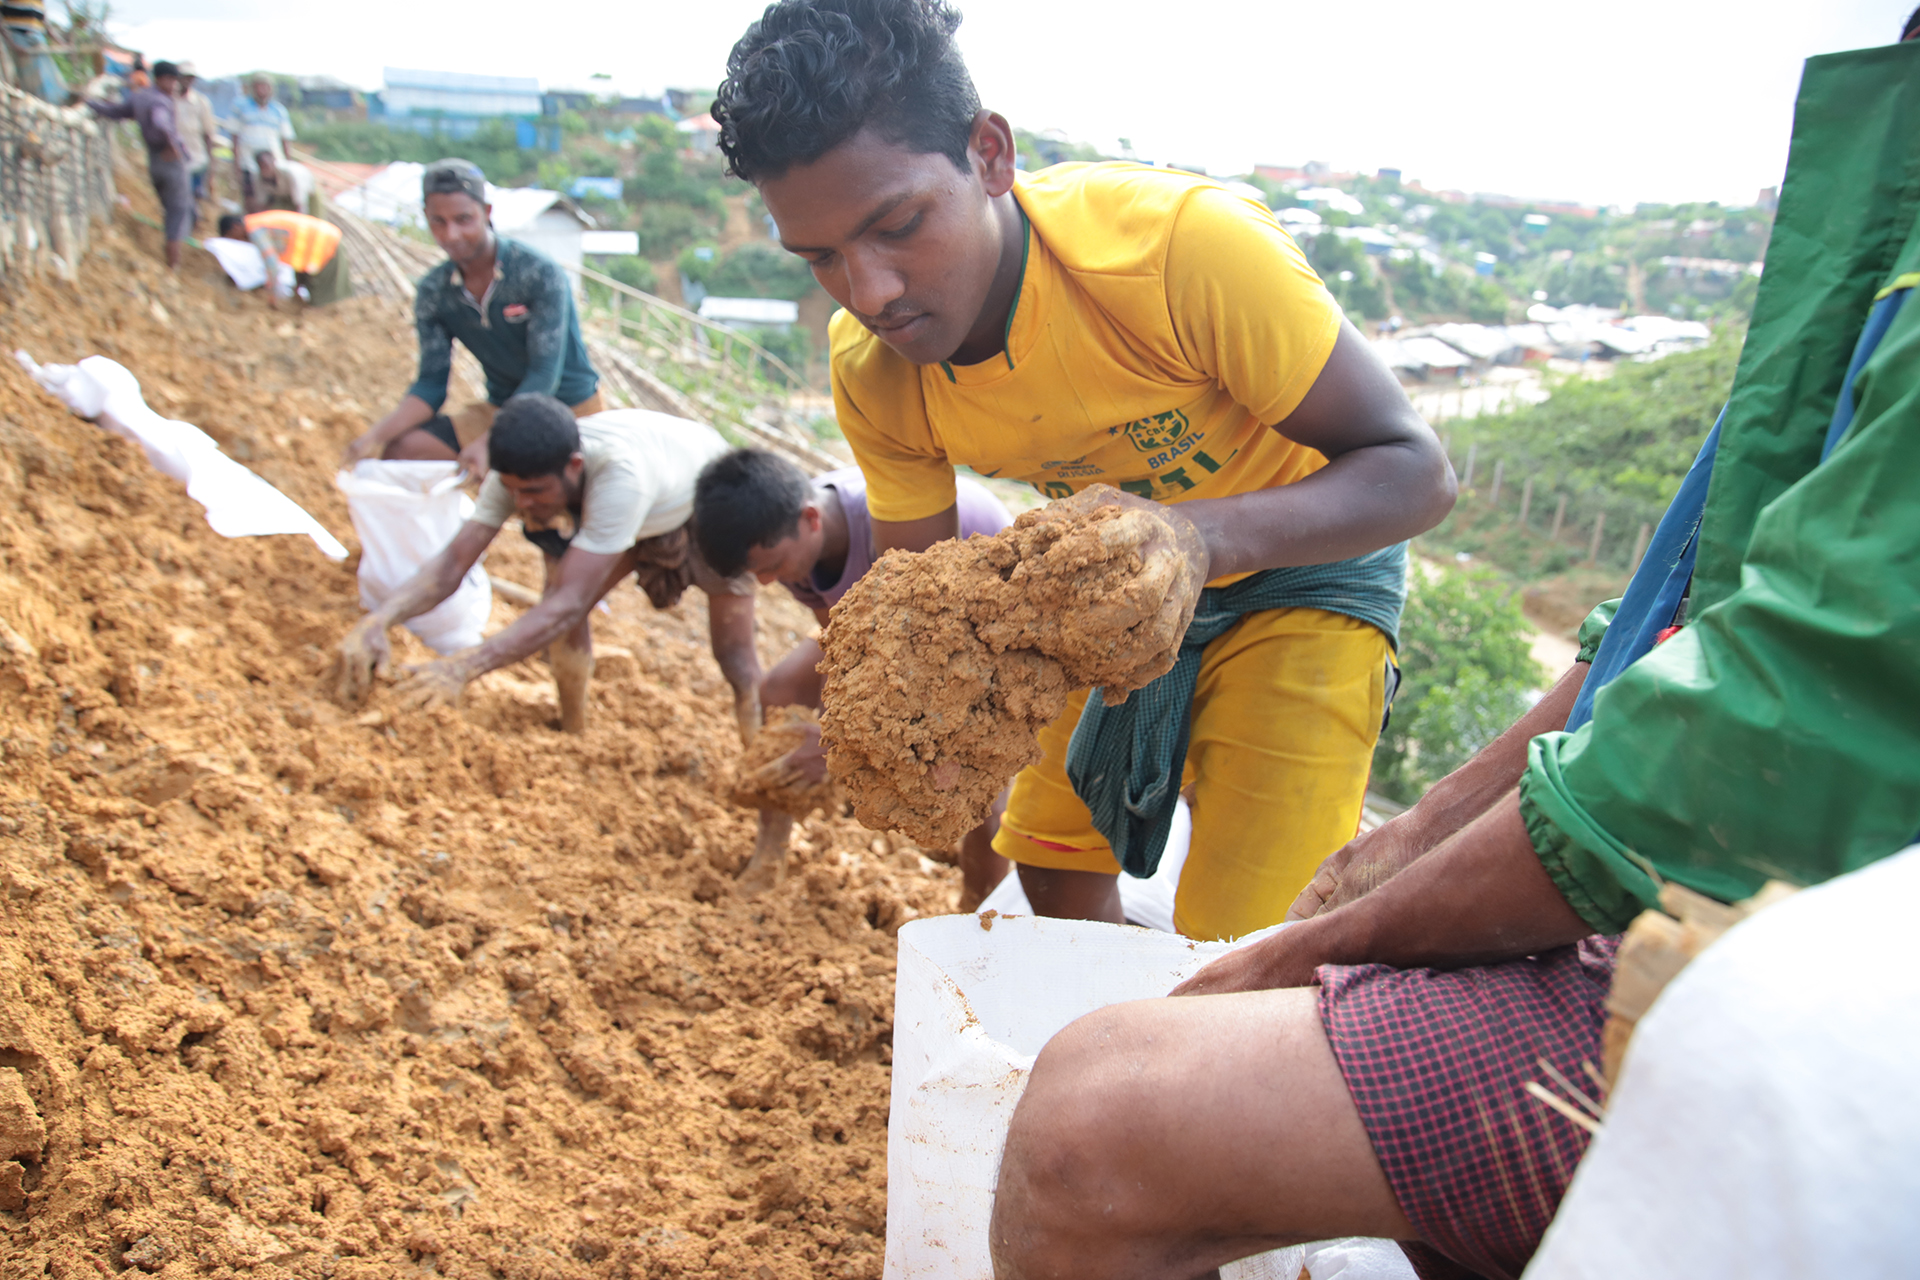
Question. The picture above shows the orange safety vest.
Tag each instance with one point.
(310, 242)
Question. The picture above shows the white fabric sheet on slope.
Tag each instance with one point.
(972, 1008)
(404, 514)
(1146, 902)
(239, 504)
(1766, 1123)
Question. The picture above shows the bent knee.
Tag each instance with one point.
(1074, 1167)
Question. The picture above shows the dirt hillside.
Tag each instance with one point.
(287, 990)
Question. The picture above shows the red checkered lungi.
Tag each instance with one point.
(1437, 1061)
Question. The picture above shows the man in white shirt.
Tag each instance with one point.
(602, 496)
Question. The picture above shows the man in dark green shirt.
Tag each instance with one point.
(1364, 1072)
(509, 304)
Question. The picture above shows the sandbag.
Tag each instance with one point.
(239, 504)
(975, 998)
(405, 513)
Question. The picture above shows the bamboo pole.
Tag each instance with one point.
(1473, 451)
(1559, 518)
(1640, 545)
(1599, 530)
(1526, 501)
(1499, 474)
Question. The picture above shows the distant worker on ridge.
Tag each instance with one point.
(259, 124)
(507, 303)
(193, 114)
(310, 246)
(152, 108)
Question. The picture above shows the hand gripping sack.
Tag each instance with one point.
(405, 513)
(976, 998)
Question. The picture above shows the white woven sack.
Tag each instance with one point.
(972, 1008)
(405, 513)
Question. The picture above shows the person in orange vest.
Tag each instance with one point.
(309, 245)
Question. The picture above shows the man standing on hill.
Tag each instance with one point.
(260, 123)
(509, 304)
(152, 108)
(1114, 324)
(194, 116)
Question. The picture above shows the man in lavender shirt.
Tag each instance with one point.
(759, 514)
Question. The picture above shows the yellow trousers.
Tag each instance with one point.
(1284, 723)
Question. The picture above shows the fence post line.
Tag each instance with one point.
(1473, 450)
(1599, 529)
(1499, 474)
(1526, 501)
(1559, 518)
(1640, 545)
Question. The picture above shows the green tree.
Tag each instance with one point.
(629, 270)
(1466, 675)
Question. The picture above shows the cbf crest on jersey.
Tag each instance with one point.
(1159, 431)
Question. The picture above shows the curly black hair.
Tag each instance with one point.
(533, 435)
(812, 73)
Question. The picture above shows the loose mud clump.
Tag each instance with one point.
(298, 993)
(787, 729)
(942, 667)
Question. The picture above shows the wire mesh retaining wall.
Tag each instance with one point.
(56, 179)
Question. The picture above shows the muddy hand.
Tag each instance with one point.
(363, 655)
(432, 684)
(804, 766)
(1359, 867)
(474, 459)
(361, 446)
(1173, 562)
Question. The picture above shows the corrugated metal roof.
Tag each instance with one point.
(458, 81)
(750, 310)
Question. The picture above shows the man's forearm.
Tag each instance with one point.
(1475, 786)
(1480, 897)
(730, 627)
(432, 583)
(1360, 502)
(555, 615)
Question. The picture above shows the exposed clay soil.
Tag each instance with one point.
(293, 991)
(942, 667)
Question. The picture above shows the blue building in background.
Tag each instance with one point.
(455, 105)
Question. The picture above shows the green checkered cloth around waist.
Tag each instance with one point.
(1125, 762)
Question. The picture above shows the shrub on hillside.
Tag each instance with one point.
(1466, 675)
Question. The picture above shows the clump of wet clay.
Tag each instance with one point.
(757, 783)
(942, 667)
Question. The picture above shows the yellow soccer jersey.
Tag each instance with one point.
(1162, 324)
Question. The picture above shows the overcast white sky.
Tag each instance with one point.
(1613, 101)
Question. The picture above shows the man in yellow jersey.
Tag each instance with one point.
(1113, 324)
